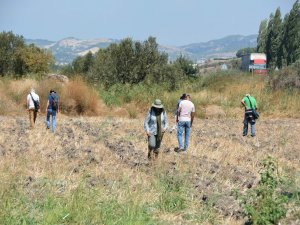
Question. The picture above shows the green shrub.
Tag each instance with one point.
(265, 204)
(287, 78)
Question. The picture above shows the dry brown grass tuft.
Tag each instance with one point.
(79, 98)
(43, 89)
(13, 95)
(76, 96)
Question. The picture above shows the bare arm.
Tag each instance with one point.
(27, 104)
(47, 106)
(178, 114)
(243, 104)
(192, 118)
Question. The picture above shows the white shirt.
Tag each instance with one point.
(30, 103)
(187, 107)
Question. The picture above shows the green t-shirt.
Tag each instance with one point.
(247, 103)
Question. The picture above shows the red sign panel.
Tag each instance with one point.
(259, 61)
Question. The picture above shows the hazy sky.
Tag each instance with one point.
(172, 22)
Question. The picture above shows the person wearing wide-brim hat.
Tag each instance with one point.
(156, 123)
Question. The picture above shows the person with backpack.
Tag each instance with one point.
(33, 106)
(182, 97)
(155, 125)
(52, 109)
(250, 115)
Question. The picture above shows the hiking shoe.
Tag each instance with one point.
(178, 149)
(244, 135)
(252, 135)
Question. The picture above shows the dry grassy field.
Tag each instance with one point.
(95, 170)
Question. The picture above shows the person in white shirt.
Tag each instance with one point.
(31, 97)
(185, 118)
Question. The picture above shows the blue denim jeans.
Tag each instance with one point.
(183, 126)
(52, 113)
(249, 119)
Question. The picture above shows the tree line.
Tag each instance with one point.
(128, 62)
(132, 62)
(279, 38)
(18, 58)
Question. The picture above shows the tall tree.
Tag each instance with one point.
(88, 62)
(269, 38)
(77, 64)
(9, 46)
(33, 59)
(125, 58)
(277, 27)
(82, 64)
(186, 65)
(282, 54)
(261, 39)
(127, 62)
(17, 58)
(292, 34)
(274, 34)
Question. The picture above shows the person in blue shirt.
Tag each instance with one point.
(182, 97)
(52, 109)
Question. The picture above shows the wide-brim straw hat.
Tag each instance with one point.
(157, 104)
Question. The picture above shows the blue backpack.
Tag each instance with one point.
(54, 102)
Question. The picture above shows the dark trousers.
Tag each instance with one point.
(249, 119)
(153, 145)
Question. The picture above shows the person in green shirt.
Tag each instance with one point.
(249, 103)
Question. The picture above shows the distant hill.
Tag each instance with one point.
(224, 47)
(67, 49)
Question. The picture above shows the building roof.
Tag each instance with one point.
(258, 56)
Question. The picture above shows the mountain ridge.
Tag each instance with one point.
(67, 49)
